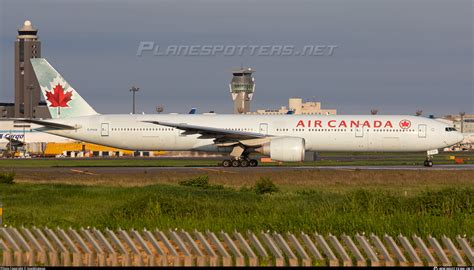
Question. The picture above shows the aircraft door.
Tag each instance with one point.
(422, 131)
(263, 128)
(359, 132)
(104, 130)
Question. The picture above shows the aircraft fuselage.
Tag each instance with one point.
(321, 133)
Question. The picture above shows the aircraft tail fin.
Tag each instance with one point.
(62, 100)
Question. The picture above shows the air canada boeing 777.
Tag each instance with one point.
(281, 137)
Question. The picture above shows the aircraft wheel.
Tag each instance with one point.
(235, 163)
(428, 163)
(253, 163)
(226, 163)
(244, 163)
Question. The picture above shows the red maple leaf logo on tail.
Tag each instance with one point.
(58, 98)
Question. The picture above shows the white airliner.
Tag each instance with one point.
(282, 137)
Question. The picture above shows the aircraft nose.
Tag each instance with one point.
(459, 137)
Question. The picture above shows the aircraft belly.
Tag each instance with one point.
(369, 142)
(335, 142)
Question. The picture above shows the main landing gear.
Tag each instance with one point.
(240, 158)
(241, 162)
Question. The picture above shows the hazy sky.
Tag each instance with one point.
(394, 55)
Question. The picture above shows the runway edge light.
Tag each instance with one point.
(1, 213)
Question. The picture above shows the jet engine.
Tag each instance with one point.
(284, 149)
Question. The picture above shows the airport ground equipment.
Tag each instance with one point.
(93, 247)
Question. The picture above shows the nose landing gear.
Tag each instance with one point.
(429, 157)
(428, 163)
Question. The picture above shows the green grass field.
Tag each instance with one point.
(438, 210)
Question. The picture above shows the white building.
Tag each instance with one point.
(297, 106)
(467, 125)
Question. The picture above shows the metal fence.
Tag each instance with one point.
(92, 247)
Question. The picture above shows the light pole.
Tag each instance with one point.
(462, 121)
(31, 88)
(134, 90)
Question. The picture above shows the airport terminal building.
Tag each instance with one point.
(464, 124)
(297, 106)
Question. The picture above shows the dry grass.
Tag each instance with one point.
(291, 179)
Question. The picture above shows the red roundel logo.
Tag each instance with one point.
(405, 124)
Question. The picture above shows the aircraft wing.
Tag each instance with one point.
(220, 135)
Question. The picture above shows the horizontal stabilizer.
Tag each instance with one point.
(44, 123)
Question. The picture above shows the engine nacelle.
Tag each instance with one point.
(284, 149)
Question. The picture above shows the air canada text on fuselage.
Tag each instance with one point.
(344, 124)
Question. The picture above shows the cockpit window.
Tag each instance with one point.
(449, 129)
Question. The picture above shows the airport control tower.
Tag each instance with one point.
(27, 89)
(242, 88)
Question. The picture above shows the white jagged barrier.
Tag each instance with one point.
(92, 247)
